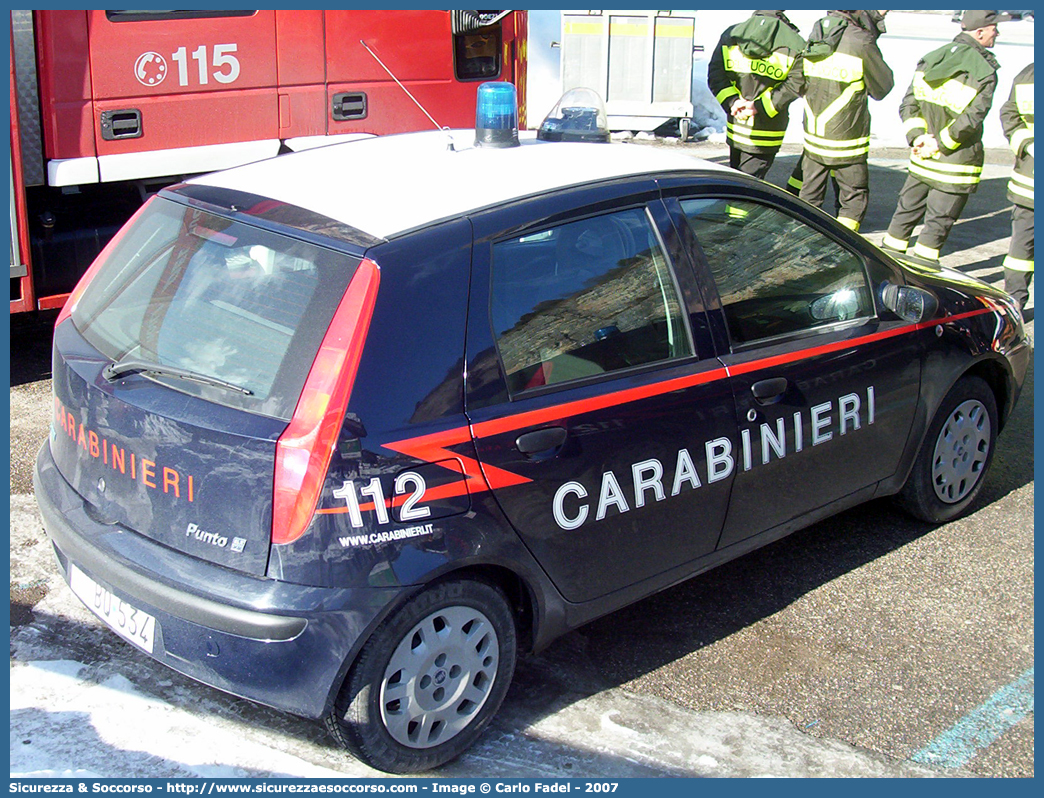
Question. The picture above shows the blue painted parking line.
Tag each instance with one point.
(956, 746)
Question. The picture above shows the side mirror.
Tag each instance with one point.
(908, 302)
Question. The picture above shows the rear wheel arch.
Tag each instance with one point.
(520, 596)
(427, 680)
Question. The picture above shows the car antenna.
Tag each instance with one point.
(415, 100)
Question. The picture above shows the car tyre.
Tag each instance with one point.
(955, 455)
(429, 679)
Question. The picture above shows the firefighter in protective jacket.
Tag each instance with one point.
(751, 59)
(1017, 120)
(839, 70)
(943, 113)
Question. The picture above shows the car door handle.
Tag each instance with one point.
(542, 442)
(769, 392)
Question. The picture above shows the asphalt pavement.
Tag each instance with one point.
(866, 645)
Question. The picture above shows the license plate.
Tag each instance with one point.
(127, 621)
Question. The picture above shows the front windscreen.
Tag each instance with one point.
(191, 291)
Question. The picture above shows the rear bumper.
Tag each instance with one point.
(277, 643)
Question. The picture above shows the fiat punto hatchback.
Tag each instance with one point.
(345, 431)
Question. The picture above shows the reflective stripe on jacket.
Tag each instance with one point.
(1017, 120)
(949, 97)
(841, 68)
(751, 59)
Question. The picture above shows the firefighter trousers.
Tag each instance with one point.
(1018, 266)
(851, 182)
(939, 209)
(755, 164)
(796, 179)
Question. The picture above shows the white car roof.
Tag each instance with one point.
(388, 185)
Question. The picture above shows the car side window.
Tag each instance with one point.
(585, 298)
(775, 274)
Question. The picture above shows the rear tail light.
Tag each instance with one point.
(104, 255)
(304, 449)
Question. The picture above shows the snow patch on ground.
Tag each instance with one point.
(706, 111)
(718, 744)
(92, 729)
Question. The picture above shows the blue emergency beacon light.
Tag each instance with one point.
(579, 115)
(496, 115)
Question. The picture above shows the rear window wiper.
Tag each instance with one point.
(114, 370)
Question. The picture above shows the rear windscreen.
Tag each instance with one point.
(196, 292)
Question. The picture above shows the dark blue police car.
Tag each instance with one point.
(344, 431)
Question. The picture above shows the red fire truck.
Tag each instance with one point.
(109, 106)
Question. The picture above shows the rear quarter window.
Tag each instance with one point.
(190, 290)
(584, 299)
